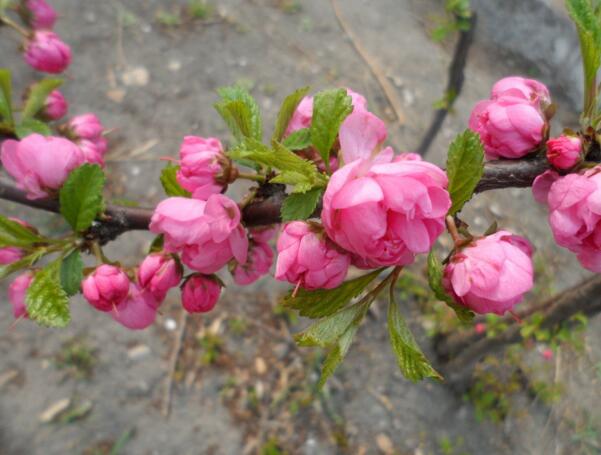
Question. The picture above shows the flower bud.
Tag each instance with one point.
(492, 274)
(40, 164)
(55, 107)
(158, 273)
(564, 152)
(138, 310)
(528, 89)
(106, 287)
(17, 292)
(85, 126)
(200, 294)
(38, 14)
(308, 257)
(260, 258)
(46, 52)
(91, 152)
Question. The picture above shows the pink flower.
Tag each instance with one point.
(39, 14)
(17, 292)
(209, 233)
(56, 106)
(564, 152)
(480, 328)
(260, 258)
(200, 294)
(307, 256)
(10, 254)
(386, 212)
(158, 273)
(202, 160)
(46, 52)
(509, 127)
(106, 287)
(85, 126)
(90, 152)
(547, 354)
(574, 203)
(138, 310)
(492, 274)
(40, 164)
(360, 135)
(528, 89)
(264, 234)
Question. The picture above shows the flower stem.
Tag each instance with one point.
(8, 21)
(452, 228)
(253, 177)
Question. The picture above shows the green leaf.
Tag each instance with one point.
(411, 360)
(327, 331)
(6, 110)
(240, 112)
(286, 111)
(170, 184)
(337, 354)
(47, 302)
(298, 140)
(81, 196)
(14, 234)
(435, 273)
(71, 273)
(465, 165)
(31, 126)
(325, 302)
(301, 206)
(37, 96)
(330, 108)
(157, 244)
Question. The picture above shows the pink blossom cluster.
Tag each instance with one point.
(87, 131)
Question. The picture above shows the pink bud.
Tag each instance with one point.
(91, 152)
(17, 292)
(10, 254)
(386, 212)
(528, 89)
(138, 310)
(480, 328)
(492, 274)
(46, 52)
(547, 354)
(264, 234)
(306, 256)
(158, 273)
(39, 14)
(56, 106)
(40, 164)
(106, 287)
(200, 294)
(260, 258)
(564, 152)
(201, 163)
(85, 126)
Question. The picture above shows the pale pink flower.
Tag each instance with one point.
(46, 52)
(200, 294)
(528, 89)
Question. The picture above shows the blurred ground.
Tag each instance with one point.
(240, 385)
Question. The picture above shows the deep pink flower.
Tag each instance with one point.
(85, 126)
(17, 292)
(39, 14)
(208, 233)
(528, 89)
(308, 257)
(56, 106)
(386, 212)
(40, 164)
(200, 294)
(574, 204)
(138, 310)
(158, 273)
(492, 274)
(564, 152)
(105, 287)
(201, 161)
(46, 52)
(260, 258)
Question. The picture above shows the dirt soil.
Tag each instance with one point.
(240, 385)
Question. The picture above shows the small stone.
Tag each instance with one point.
(54, 410)
(260, 365)
(116, 95)
(137, 76)
(170, 324)
(138, 352)
(175, 65)
(384, 444)
(8, 376)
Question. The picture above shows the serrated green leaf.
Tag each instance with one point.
(301, 206)
(47, 303)
(81, 196)
(71, 273)
(240, 112)
(286, 111)
(14, 234)
(298, 140)
(330, 108)
(411, 360)
(325, 302)
(37, 96)
(465, 165)
(31, 126)
(328, 330)
(6, 111)
(435, 273)
(170, 184)
(337, 354)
